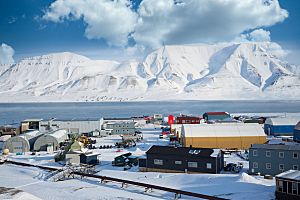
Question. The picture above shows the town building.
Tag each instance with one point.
(176, 130)
(297, 132)
(51, 140)
(288, 185)
(182, 159)
(72, 126)
(280, 126)
(120, 128)
(30, 124)
(213, 116)
(78, 157)
(222, 136)
(8, 130)
(23, 142)
(184, 119)
(273, 159)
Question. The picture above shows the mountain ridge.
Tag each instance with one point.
(225, 71)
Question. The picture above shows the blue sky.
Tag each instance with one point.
(33, 27)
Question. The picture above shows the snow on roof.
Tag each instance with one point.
(32, 133)
(285, 146)
(290, 174)
(215, 153)
(177, 126)
(3, 138)
(91, 154)
(297, 127)
(222, 130)
(59, 133)
(217, 113)
(282, 121)
(32, 120)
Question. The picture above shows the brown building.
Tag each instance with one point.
(183, 119)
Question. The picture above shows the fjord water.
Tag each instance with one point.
(11, 113)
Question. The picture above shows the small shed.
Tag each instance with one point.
(73, 157)
(22, 143)
(288, 185)
(79, 157)
(216, 116)
(280, 126)
(89, 158)
(53, 139)
(297, 132)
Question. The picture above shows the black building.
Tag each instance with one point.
(182, 159)
(90, 159)
(288, 185)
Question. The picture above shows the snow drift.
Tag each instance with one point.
(189, 72)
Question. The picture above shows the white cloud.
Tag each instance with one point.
(105, 19)
(6, 54)
(203, 20)
(167, 21)
(258, 35)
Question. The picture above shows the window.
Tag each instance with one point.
(280, 186)
(268, 153)
(255, 165)
(193, 164)
(284, 189)
(295, 155)
(183, 121)
(158, 162)
(281, 166)
(268, 165)
(281, 154)
(178, 162)
(294, 187)
(208, 165)
(254, 153)
(295, 167)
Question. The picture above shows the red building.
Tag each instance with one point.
(183, 119)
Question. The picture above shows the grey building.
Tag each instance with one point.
(273, 159)
(73, 126)
(118, 128)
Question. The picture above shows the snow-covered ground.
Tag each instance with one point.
(31, 180)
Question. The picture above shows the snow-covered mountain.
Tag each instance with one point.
(220, 71)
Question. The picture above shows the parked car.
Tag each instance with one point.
(233, 167)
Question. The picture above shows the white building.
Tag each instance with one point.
(22, 143)
(52, 140)
(73, 126)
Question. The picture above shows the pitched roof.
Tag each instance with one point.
(183, 151)
(282, 121)
(297, 127)
(217, 113)
(290, 174)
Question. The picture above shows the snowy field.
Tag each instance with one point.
(29, 182)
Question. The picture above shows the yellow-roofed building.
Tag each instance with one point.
(222, 135)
